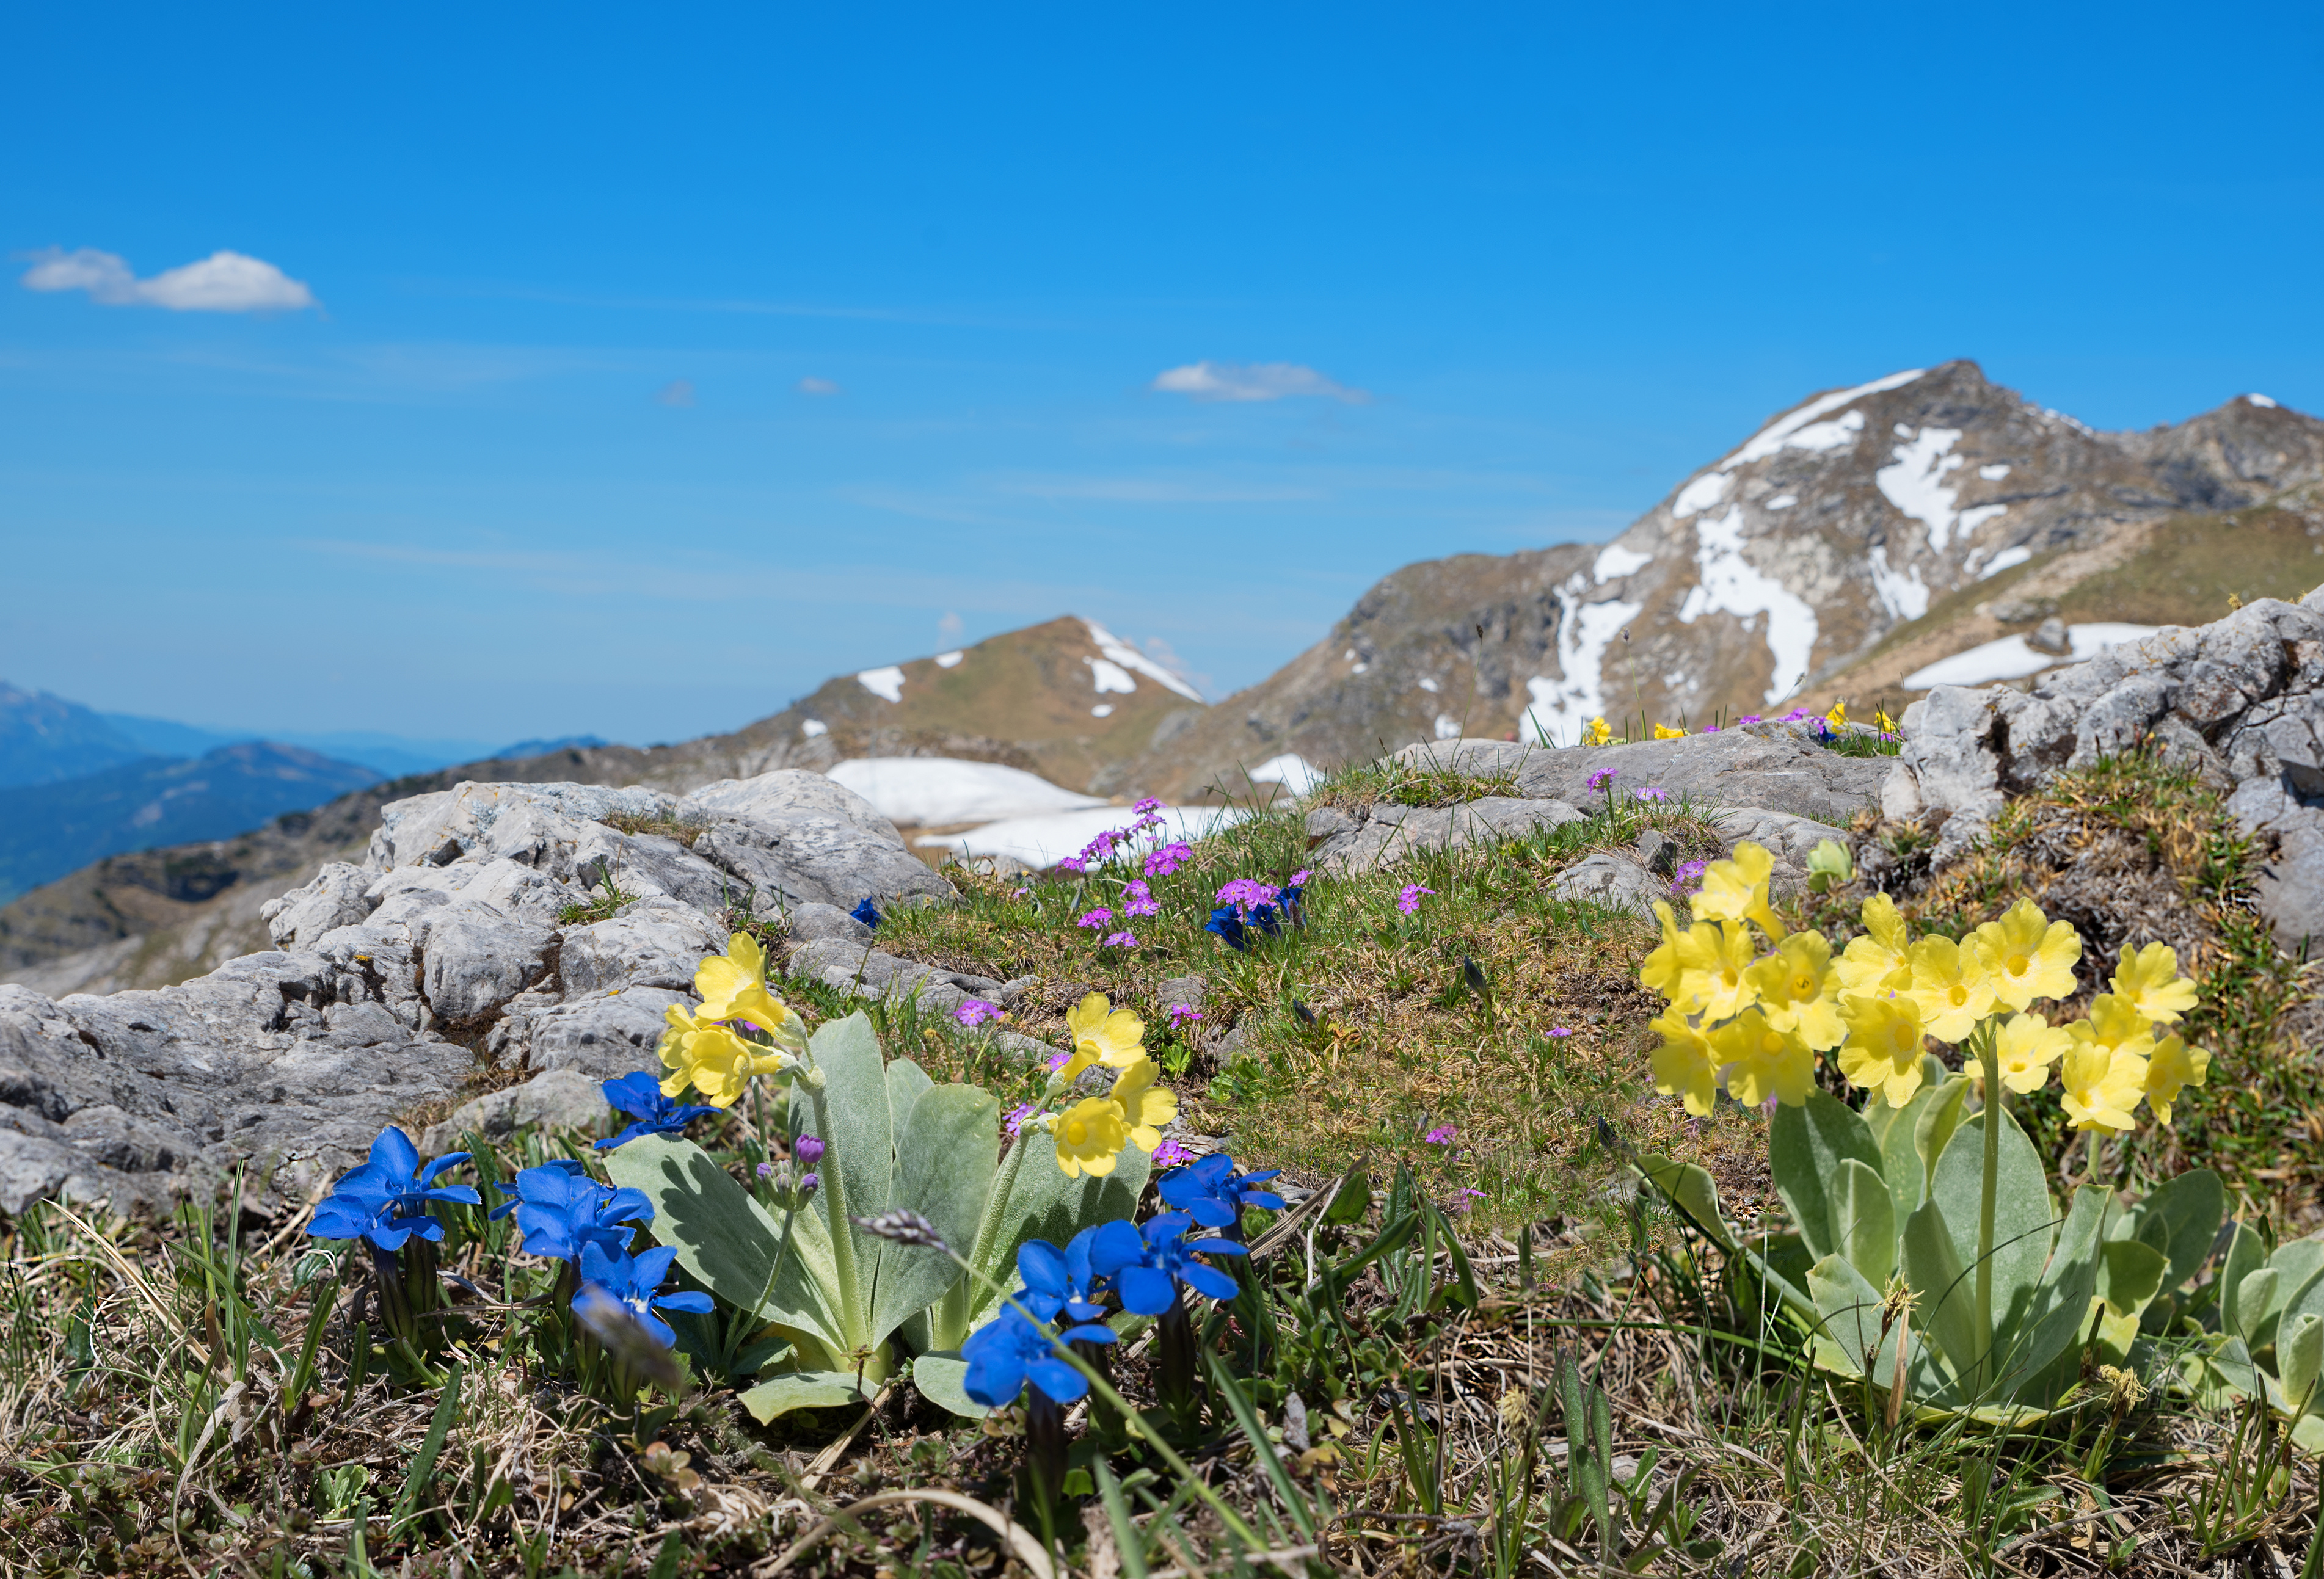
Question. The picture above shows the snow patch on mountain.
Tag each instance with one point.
(2004, 560)
(1732, 584)
(1779, 433)
(2013, 658)
(933, 791)
(885, 683)
(1562, 707)
(1902, 593)
(1615, 561)
(1110, 676)
(1126, 656)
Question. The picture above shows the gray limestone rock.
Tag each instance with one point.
(472, 962)
(1606, 878)
(811, 921)
(556, 1098)
(1346, 842)
(1181, 989)
(864, 972)
(818, 860)
(788, 793)
(600, 1037)
(336, 897)
(655, 943)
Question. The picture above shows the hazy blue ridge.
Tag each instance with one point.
(49, 829)
(44, 738)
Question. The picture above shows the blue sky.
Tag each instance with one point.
(663, 362)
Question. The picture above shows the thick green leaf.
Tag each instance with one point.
(2130, 1273)
(2245, 1255)
(2023, 1217)
(907, 1084)
(1932, 1131)
(939, 1378)
(1946, 1307)
(2300, 1284)
(2033, 1347)
(1867, 1222)
(1850, 1310)
(805, 1389)
(1692, 1191)
(1032, 1198)
(723, 1236)
(944, 1159)
(2254, 1296)
(2190, 1207)
(2299, 1356)
(1805, 1146)
(848, 1111)
(1895, 1131)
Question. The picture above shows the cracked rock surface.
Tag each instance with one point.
(390, 978)
(2240, 701)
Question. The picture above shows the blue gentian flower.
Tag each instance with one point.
(386, 1200)
(866, 911)
(1263, 918)
(639, 1096)
(1060, 1279)
(1227, 924)
(1011, 1350)
(636, 1282)
(1147, 1265)
(562, 1209)
(1214, 1194)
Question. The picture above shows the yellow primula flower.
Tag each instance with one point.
(1090, 1135)
(1951, 984)
(2114, 1025)
(1114, 1037)
(1684, 1067)
(1762, 1061)
(2102, 1084)
(1665, 732)
(2029, 956)
(2150, 982)
(1877, 960)
(1716, 960)
(1145, 1106)
(734, 986)
(1882, 722)
(2174, 1067)
(1665, 971)
(1883, 1049)
(713, 1059)
(2024, 1050)
(1795, 987)
(1596, 733)
(1838, 717)
(1736, 890)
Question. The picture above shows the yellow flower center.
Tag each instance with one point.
(1959, 994)
(2019, 964)
(1770, 1042)
(1076, 1133)
(1803, 985)
(1733, 976)
(1903, 1035)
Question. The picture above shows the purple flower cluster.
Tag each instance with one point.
(1442, 1136)
(1689, 878)
(1120, 940)
(1603, 777)
(1749, 718)
(1653, 791)
(1059, 1062)
(975, 1012)
(1561, 1030)
(1166, 862)
(1015, 1119)
(1096, 919)
(1465, 1199)
(1182, 1015)
(1247, 895)
(1137, 899)
(1409, 900)
(1171, 1154)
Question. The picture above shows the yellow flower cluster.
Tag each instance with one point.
(1091, 1133)
(704, 1050)
(1597, 733)
(1665, 732)
(1758, 1019)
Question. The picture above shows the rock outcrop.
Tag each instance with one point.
(467, 928)
(2240, 700)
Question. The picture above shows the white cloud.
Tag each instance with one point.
(223, 282)
(815, 386)
(1258, 380)
(678, 392)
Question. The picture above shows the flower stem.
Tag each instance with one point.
(1997, 1105)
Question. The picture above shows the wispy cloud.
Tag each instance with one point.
(223, 282)
(678, 392)
(812, 385)
(1256, 381)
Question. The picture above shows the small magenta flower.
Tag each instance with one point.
(1247, 895)
(1096, 919)
(1073, 863)
(1602, 777)
(1137, 899)
(1749, 718)
(1561, 1030)
(1409, 900)
(1442, 1136)
(806, 1148)
(1016, 1117)
(1019, 893)
(766, 1170)
(1059, 1060)
(808, 1181)
(1171, 1154)
(1466, 1198)
(1166, 862)
(1120, 940)
(1653, 791)
(1797, 713)
(1182, 1015)
(975, 1012)
(1688, 879)
(1148, 807)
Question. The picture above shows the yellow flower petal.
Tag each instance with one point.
(1114, 1037)
(2102, 1085)
(1794, 987)
(1951, 984)
(1089, 1137)
(1883, 1049)
(1145, 1106)
(1716, 960)
(2174, 1067)
(2025, 1048)
(2029, 956)
(1597, 733)
(1762, 1061)
(1683, 1064)
(1736, 890)
(2149, 982)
